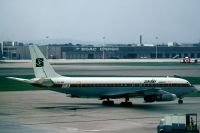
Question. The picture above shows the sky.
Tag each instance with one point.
(110, 21)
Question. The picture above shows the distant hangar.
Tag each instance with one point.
(70, 51)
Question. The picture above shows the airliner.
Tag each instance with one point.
(152, 89)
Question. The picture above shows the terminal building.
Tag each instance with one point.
(114, 51)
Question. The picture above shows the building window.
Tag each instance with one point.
(198, 55)
(160, 55)
(153, 55)
(185, 55)
(192, 55)
(167, 55)
(180, 56)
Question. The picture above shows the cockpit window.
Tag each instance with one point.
(189, 84)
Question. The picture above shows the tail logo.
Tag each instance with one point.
(39, 62)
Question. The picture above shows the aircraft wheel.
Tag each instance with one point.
(161, 131)
(126, 104)
(180, 101)
(109, 103)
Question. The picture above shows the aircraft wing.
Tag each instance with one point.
(145, 92)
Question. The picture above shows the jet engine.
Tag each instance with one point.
(160, 98)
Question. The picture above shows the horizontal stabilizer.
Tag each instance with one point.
(36, 82)
(20, 79)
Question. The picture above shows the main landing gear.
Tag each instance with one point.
(108, 102)
(126, 103)
(180, 101)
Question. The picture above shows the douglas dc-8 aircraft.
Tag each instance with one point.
(105, 88)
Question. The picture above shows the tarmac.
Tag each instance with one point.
(60, 61)
(51, 112)
(192, 70)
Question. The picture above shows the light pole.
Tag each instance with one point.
(47, 48)
(156, 47)
(156, 51)
(2, 49)
(103, 56)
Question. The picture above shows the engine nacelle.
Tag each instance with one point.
(159, 98)
(149, 99)
(166, 97)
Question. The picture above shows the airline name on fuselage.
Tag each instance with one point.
(149, 81)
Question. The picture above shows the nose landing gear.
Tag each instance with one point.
(180, 101)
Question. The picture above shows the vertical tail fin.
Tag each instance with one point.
(41, 66)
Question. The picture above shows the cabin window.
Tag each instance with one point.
(132, 85)
(162, 85)
(166, 85)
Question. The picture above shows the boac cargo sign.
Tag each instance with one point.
(96, 49)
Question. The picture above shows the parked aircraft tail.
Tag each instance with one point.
(41, 66)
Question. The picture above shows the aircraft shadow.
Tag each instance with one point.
(89, 106)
